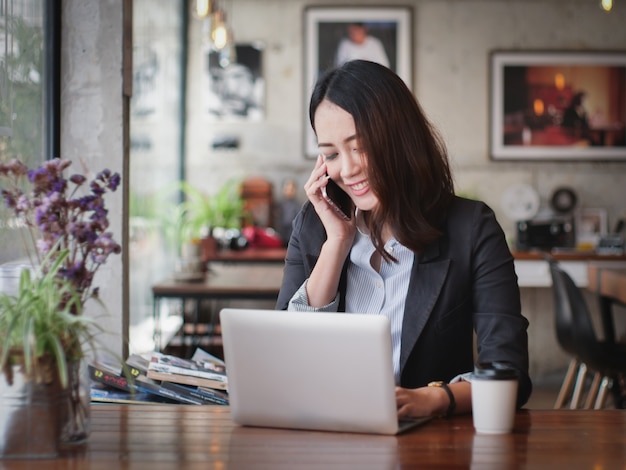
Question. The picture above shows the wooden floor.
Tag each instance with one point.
(546, 390)
(543, 397)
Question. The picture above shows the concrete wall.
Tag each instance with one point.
(92, 127)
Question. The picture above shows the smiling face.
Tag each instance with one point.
(339, 145)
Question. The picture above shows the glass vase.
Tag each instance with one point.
(76, 410)
(30, 421)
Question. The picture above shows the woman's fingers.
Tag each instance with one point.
(316, 181)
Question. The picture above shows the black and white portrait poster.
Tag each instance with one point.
(236, 87)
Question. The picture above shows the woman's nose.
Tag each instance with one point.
(350, 166)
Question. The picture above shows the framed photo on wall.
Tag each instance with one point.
(558, 105)
(334, 35)
(591, 224)
(235, 85)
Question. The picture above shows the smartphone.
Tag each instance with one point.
(338, 199)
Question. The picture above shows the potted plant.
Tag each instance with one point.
(43, 333)
(201, 218)
(43, 336)
(203, 213)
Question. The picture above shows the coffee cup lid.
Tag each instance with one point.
(494, 371)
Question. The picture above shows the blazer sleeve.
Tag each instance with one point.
(307, 237)
(501, 328)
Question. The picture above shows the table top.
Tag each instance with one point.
(188, 436)
(228, 279)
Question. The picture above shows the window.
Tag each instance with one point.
(29, 95)
(155, 155)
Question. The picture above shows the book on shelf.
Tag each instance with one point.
(198, 373)
(114, 377)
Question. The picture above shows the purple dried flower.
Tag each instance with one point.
(96, 188)
(14, 168)
(9, 199)
(78, 225)
(58, 186)
(78, 179)
(38, 176)
(43, 246)
(23, 204)
(82, 203)
(104, 175)
(114, 182)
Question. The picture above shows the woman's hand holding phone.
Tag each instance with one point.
(318, 188)
(338, 200)
(323, 281)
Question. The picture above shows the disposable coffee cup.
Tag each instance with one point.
(494, 394)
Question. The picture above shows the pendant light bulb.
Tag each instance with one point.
(220, 37)
(203, 8)
(219, 33)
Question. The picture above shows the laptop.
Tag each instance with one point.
(316, 371)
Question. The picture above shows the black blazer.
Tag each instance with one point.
(463, 282)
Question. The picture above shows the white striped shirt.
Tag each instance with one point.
(369, 291)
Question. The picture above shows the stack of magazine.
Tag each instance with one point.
(161, 378)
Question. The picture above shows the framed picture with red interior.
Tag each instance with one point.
(558, 105)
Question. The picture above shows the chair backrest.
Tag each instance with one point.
(574, 327)
(257, 195)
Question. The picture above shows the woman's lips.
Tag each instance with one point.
(359, 189)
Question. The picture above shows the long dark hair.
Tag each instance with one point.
(407, 161)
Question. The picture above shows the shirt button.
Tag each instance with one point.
(379, 284)
(390, 250)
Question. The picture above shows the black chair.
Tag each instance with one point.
(576, 334)
(576, 371)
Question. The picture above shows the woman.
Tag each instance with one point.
(437, 265)
(575, 118)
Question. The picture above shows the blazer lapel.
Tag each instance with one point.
(427, 278)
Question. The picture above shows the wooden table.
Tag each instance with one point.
(610, 286)
(203, 437)
(224, 281)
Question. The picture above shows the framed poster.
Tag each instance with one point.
(334, 35)
(591, 224)
(558, 105)
(235, 89)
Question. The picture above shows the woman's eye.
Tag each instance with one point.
(332, 156)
